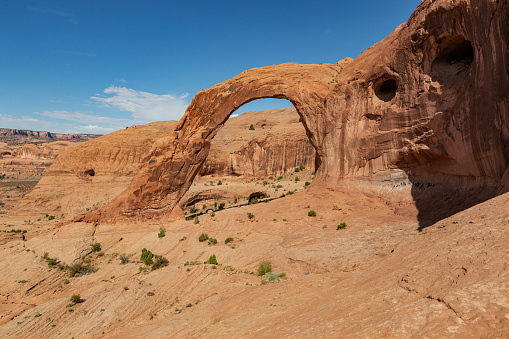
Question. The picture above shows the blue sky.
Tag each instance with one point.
(70, 66)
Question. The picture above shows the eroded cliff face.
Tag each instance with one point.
(86, 176)
(425, 109)
(277, 145)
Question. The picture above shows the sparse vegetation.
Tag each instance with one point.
(264, 268)
(203, 237)
(96, 247)
(251, 127)
(228, 240)
(124, 259)
(162, 232)
(307, 183)
(196, 220)
(312, 213)
(193, 210)
(250, 215)
(159, 262)
(297, 179)
(219, 183)
(341, 226)
(272, 278)
(212, 241)
(212, 260)
(75, 299)
(146, 257)
(78, 269)
(297, 169)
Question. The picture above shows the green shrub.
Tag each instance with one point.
(228, 240)
(221, 206)
(52, 262)
(212, 260)
(251, 127)
(162, 232)
(253, 200)
(196, 220)
(341, 226)
(219, 182)
(272, 278)
(203, 237)
(297, 179)
(312, 213)
(78, 269)
(51, 217)
(264, 268)
(146, 257)
(204, 207)
(160, 262)
(297, 169)
(307, 183)
(37, 315)
(250, 215)
(212, 241)
(76, 298)
(66, 281)
(96, 247)
(124, 259)
(193, 209)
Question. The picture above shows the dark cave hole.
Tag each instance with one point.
(452, 64)
(386, 91)
(90, 172)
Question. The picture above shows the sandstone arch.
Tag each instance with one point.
(389, 123)
(174, 161)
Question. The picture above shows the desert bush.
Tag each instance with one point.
(250, 215)
(212, 260)
(253, 200)
(272, 278)
(124, 259)
(264, 268)
(307, 183)
(212, 241)
(76, 298)
(203, 237)
(221, 206)
(193, 209)
(251, 127)
(297, 179)
(196, 220)
(162, 232)
(312, 213)
(159, 262)
(341, 226)
(78, 269)
(297, 169)
(146, 257)
(219, 182)
(228, 240)
(96, 247)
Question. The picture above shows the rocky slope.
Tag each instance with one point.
(377, 278)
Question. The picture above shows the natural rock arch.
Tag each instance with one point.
(389, 123)
(174, 161)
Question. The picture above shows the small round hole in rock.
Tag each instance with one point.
(387, 90)
(90, 172)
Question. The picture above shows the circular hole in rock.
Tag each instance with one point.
(386, 90)
(453, 61)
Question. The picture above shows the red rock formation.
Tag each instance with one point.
(426, 108)
(86, 176)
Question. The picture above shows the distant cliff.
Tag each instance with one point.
(20, 136)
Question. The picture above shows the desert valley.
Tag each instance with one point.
(375, 207)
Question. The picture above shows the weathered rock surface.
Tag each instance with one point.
(88, 175)
(421, 117)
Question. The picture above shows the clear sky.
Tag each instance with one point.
(76, 66)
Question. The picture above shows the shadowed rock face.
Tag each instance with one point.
(421, 115)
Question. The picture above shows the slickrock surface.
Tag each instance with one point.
(425, 111)
(377, 278)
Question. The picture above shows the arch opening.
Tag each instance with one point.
(262, 152)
